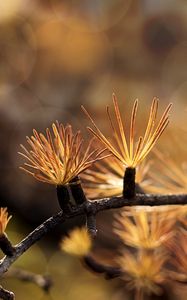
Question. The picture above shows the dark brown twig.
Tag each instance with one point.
(88, 207)
(109, 271)
(80, 197)
(91, 225)
(31, 239)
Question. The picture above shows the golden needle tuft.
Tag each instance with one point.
(58, 158)
(131, 153)
(4, 219)
(78, 243)
(144, 229)
(143, 272)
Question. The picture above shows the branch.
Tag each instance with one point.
(91, 224)
(31, 239)
(88, 207)
(139, 199)
(42, 281)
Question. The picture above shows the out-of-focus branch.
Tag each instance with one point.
(109, 271)
(88, 207)
(42, 281)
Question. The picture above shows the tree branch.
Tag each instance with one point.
(140, 199)
(91, 224)
(88, 207)
(42, 281)
(31, 239)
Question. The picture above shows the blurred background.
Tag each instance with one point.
(54, 56)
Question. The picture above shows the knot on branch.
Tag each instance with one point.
(6, 295)
(90, 208)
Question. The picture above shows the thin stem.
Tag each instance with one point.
(91, 225)
(96, 267)
(30, 240)
(42, 281)
(80, 197)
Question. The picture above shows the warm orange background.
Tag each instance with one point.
(54, 56)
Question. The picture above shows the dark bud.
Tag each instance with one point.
(63, 198)
(77, 191)
(6, 245)
(129, 186)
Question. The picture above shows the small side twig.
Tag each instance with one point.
(91, 225)
(109, 271)
(42, 281)
(6, 295)
(80, 198)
